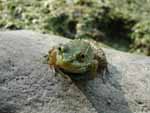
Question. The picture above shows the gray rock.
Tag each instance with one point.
(125, 89)
(27, 85)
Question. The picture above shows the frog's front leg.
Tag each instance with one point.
(93, 69)
(65, 76)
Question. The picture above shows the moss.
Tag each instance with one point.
(125, 28)
(141, 37)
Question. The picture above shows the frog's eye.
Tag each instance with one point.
(81, 57)
(61, 49)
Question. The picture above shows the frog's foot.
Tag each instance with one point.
(104, 73)
(52, 69)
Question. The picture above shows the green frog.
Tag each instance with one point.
(77, 58)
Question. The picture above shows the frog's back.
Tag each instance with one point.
(82, 47)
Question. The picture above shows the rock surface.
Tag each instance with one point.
(29, 86)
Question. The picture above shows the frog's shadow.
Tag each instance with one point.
(105, 93)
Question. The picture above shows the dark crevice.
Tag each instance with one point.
(118, 33)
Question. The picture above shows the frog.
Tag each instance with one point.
(77, 58)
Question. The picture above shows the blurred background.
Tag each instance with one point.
(120, 24)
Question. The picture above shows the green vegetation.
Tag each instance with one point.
(122, 24)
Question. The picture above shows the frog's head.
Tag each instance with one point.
(75, 56)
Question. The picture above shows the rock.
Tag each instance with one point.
(27, 85)
(125, 89)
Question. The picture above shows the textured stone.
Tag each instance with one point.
(125, 89)
(27, 85)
